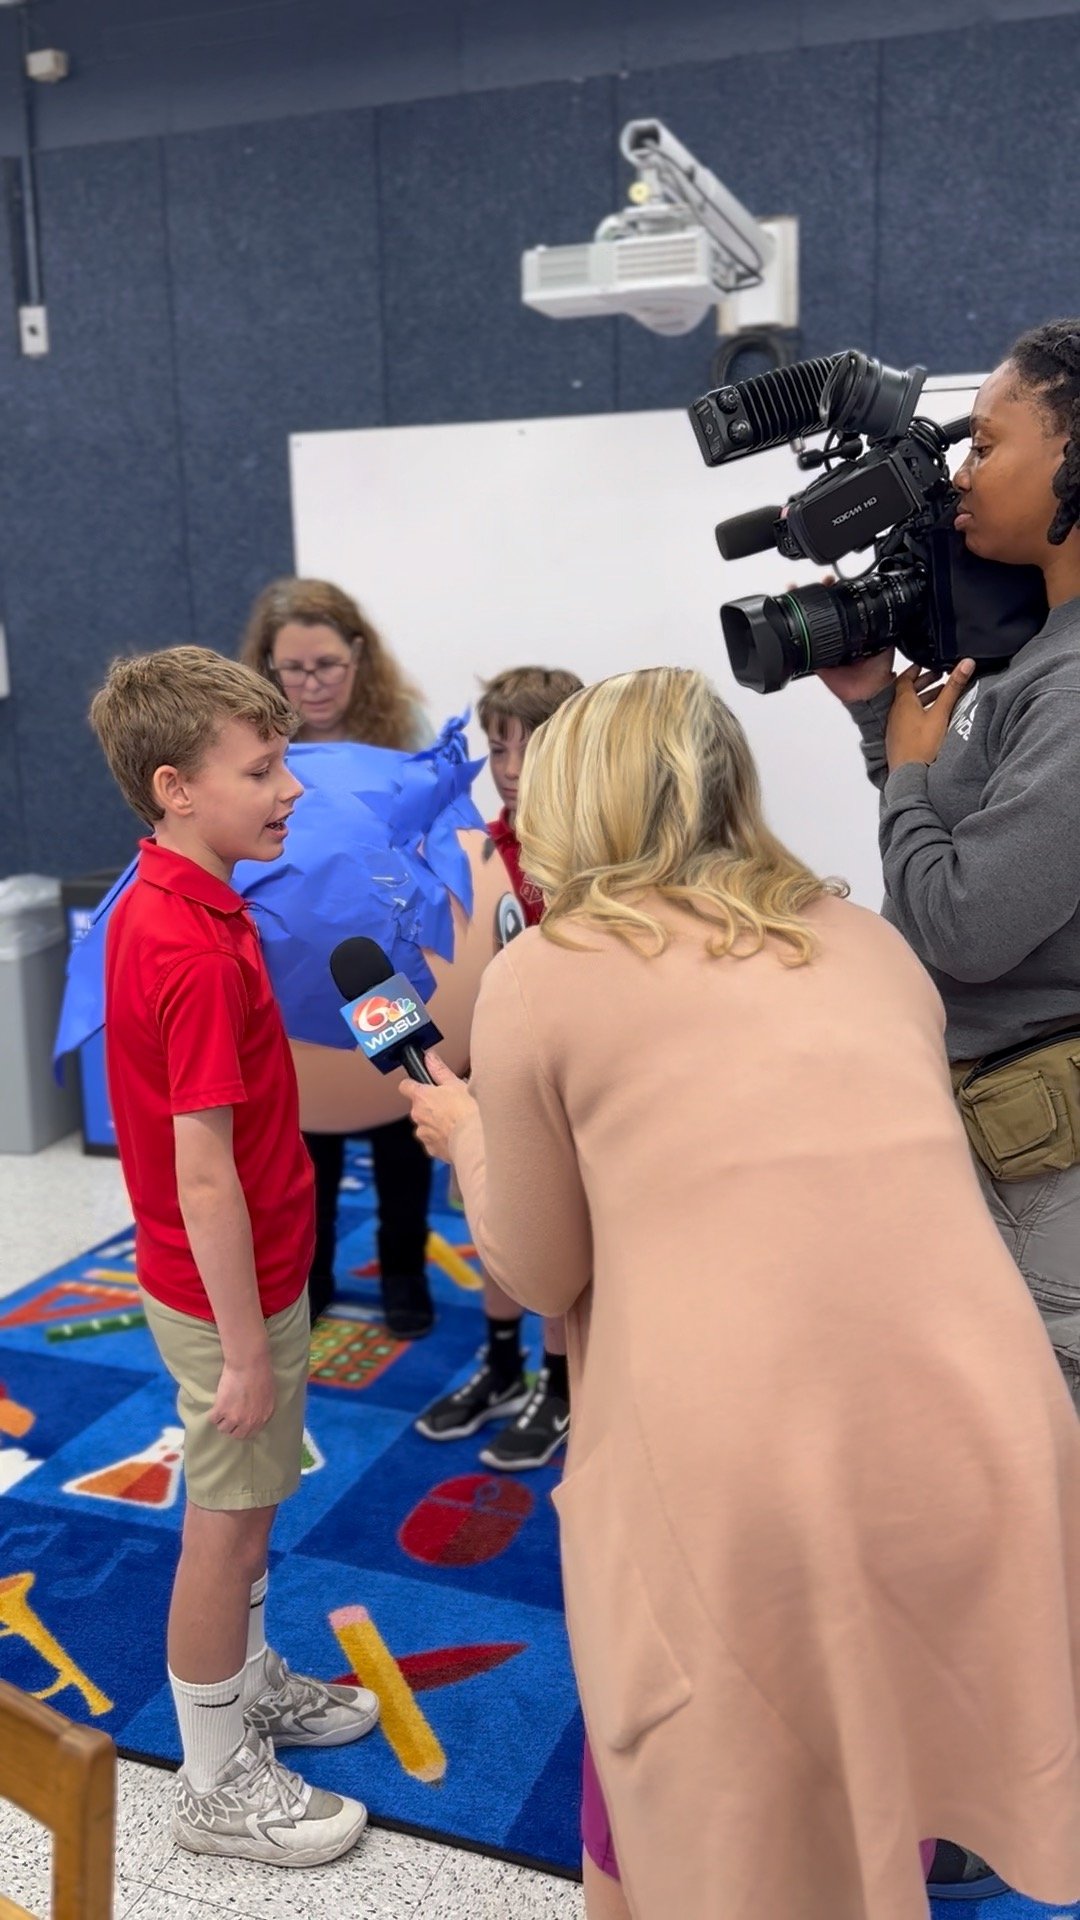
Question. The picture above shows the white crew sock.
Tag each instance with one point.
(211, 1727)
(255, 1674)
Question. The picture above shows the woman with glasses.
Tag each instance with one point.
(313, 640)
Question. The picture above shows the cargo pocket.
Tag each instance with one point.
(628, 1673)
(1018, 1124)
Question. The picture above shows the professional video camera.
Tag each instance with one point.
(924, 593)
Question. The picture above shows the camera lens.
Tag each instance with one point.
(771, 641)
(760, 648)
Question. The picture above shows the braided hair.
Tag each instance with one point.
(1048, 361)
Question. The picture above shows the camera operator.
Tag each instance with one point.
(980, 827)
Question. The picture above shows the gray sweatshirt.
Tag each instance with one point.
(981, 850)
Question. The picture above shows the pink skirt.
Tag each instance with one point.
(596, 1827)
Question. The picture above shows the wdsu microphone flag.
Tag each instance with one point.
(387, 1019)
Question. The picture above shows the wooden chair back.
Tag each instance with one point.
(65, 1777)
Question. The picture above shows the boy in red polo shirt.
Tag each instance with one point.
(510, 709)
(205, 1102)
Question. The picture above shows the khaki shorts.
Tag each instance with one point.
(219, 1472)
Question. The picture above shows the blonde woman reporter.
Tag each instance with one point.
(821, 1517)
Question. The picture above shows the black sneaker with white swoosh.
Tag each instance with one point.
(462, 1413)
(535, 1437)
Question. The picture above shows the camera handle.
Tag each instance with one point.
(807, 458)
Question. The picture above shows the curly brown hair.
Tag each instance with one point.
(383, 708)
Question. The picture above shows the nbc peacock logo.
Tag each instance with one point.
(373, 1015)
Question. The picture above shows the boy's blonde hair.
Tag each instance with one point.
(164, 710)
(528, 694)
(646, 784)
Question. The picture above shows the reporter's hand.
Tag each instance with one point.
(244, 1401)
(436, 1110)
(921, 713)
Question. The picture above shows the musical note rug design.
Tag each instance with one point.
(404, 1563)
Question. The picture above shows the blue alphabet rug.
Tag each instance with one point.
(408, 1561)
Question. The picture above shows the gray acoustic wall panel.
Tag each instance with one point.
(979, 232)
(91, 503)
(272, 236)
(465, 185)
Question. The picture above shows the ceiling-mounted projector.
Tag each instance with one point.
(684, 244)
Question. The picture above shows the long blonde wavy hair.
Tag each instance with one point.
(383, 709)
(645, 785)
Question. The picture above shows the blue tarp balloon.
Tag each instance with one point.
(372, 849)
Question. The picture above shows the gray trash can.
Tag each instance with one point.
(33, 949)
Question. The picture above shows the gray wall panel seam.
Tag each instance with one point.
(380, 256)
(879, 154)
(174, 363)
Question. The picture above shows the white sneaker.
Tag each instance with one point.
(295, 1711)
(258, 1810)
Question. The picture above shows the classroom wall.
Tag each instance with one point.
(266, 218)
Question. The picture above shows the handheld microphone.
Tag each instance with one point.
(748, 533)
(383, 1012)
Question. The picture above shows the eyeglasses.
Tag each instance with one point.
(325, 673)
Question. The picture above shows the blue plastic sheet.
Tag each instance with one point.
(372, 849)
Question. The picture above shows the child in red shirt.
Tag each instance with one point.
(204, 1097)
(510, 709)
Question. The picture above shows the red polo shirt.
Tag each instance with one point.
(191, 1022)
(531, 898)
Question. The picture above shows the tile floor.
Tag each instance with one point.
(52, 1204)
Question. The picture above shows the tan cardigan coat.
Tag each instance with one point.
(821, 1515)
